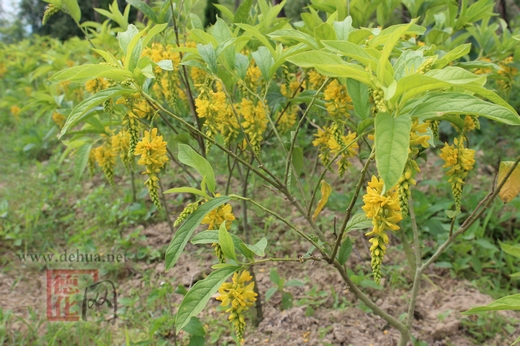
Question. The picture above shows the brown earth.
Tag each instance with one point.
(334, 321)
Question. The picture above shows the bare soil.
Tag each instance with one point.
(438, 319)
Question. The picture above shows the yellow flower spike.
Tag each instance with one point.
(385, 212)
(239, 297)
(338, 101)
(216, 217)
(460, 161)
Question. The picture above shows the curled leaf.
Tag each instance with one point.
(512, 186)
(326, 190)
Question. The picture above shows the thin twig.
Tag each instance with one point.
(351, 206)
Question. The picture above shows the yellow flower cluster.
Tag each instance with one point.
(157, 52)
(121, 145)
(15, 111)
(152, 149)
(331, 141)
(418, 137)
(460, 161)
(484, 70)
(385, 212)
(239, 297)
(254, 122)
(142, 109)
(217, 113)
(216, 217)
(471, 123)
(106, 159)
(59, 119)
(315, 80)
(95, 85)
(3, 70)
(287, 119)
(507, 74)
(338, 102)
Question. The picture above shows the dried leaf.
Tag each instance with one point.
(512, 186)
(326, 190)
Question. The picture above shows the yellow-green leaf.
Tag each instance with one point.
(326, 190)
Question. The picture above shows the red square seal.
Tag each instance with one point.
(62, 287)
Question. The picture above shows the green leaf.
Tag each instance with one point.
(264, 61)
(436, 105)
(81, 159)
(221, 31)
(358, 92)
(297, 159)
(184, 233)
(190, 157)
(143, 7)
(270, 292)
(72, 9)
(242, 13)
(187, 190)
(79, 113)
(211, 236)
(453, 54)
(225, 11)
(226, 243)
(199, 295)
(258, 248)
(392, 142)
(156, 29)
(358, 221)
(111, 59)
(344, 251)
(126, 37)
(294, 283)
(291, 34)
(513, 250)
(343, 29)
(511, 302)
(275, 278)
(516, 341)
(389, 45)
(194, 327)
(241, 65)
(208, 54)
(251, 30)
(83, 73)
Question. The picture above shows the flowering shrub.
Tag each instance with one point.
(252, 86)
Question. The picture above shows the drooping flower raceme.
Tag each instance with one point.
(385, 213)
(460, 161)
(238, 297)
(152, 149)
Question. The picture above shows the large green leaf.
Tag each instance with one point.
(79, 112)
(226, 242)
(242, 13)
(448, 77)
(291, 34)
(190, 157)
(392, 143)
(511, 302)
(453, 54)
(83, 73)
(73, 9)
(513, 250)
(198, 296)
(358, 221)
(184, 233)
(344, 251)
(435, 105)
(358, 92)
(264, 61)
(81, 159)
(143, 7)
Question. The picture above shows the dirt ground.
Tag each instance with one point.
(438, 322)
